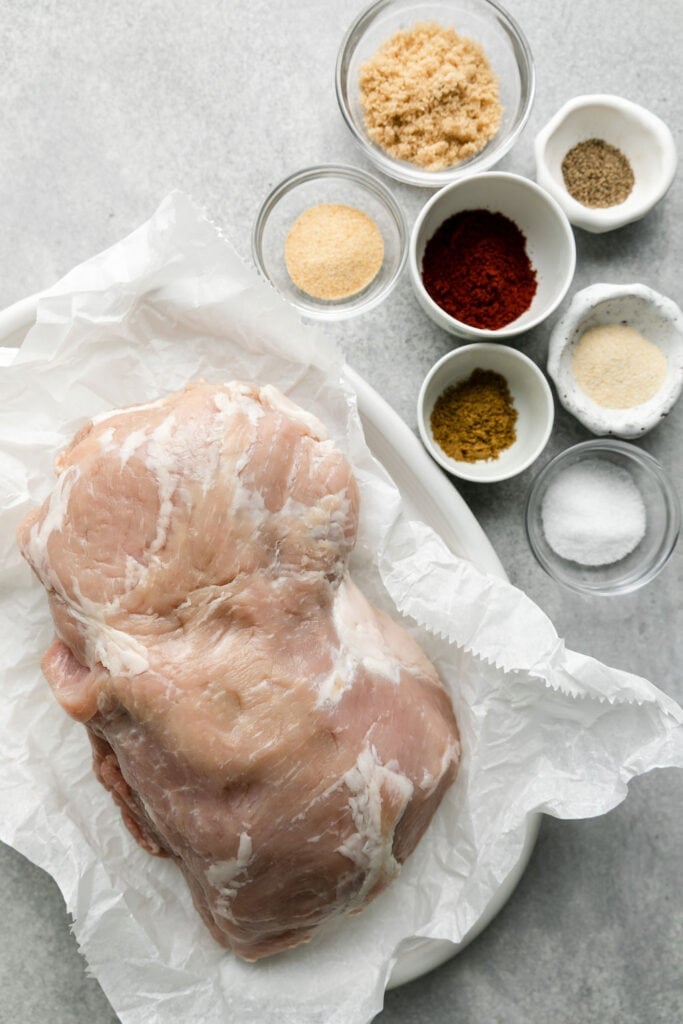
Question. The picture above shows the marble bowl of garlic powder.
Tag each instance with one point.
(616, 358)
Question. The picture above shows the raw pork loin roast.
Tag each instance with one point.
(251, 714)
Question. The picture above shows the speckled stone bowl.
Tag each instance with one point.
(656, 317)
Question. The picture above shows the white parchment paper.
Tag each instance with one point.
(543, 728)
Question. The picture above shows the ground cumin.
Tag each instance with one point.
(474, 420)
(429, 96)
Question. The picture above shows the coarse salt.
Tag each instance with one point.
(593, 513)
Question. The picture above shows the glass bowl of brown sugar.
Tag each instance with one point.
(491, 256)
(332, 240)
(485, 412)
(432, 91)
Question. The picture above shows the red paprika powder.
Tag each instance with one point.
(476, 268)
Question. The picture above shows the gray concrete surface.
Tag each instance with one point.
(106, 108)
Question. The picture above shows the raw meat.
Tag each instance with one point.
(251, 714)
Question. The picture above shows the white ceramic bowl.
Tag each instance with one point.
(662, 520)
(656, 317)
(549, 243)
(337, 184)
(531, 396)
(643, 138)
(487, 23)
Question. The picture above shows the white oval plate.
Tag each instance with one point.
(428, 496)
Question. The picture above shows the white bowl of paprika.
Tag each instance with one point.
(491, 256)
(485, 412)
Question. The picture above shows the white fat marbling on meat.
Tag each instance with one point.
(327, 519)
(369, 847)
(451, 755)
(238, 397)
(53, 519)
(106, 440)
(291, 411)
(142, 407)
(133, 441)
(117, 650)
(227, 876)
(361, 645)
(108, 443)
(135, 573)
(161, 460)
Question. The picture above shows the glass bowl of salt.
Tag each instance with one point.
(602, 517)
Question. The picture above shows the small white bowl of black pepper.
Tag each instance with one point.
(606, 160)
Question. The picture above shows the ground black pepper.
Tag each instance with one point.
(597, 174)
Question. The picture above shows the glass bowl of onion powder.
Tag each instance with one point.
(603, 517)
(332, 240)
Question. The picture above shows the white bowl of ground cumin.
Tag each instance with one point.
(434, 91)
(616, 358)
(485, 412)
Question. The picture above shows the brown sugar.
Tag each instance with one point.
(333, 251)
(430, 97)
(474, 420)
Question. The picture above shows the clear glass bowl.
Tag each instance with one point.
(487, 23)
(662, 513)
(329, 183)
